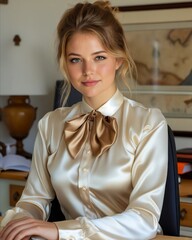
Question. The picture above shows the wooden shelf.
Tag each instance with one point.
(14, 175)
(185, 189)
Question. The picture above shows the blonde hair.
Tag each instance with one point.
(96, 18)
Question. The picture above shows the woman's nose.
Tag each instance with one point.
(88, 68)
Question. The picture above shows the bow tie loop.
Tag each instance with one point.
(100, 130)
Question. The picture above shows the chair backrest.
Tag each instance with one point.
(170, 215)
(74, 95)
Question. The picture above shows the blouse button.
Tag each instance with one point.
(84, 188)
(89, 152)
(85, 170)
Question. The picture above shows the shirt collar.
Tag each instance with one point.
(107, 109)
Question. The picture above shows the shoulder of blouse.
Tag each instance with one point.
(51, 125)
(143, 116)
(60, 114)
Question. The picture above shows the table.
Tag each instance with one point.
(14, 175)
(11, 185)
(159, 237)
(171, 238)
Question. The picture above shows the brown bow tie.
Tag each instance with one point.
(101, 130)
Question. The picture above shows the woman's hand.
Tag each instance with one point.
(25, 228)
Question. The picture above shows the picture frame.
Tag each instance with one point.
(161, 17)
(150, 5)
(3, 1)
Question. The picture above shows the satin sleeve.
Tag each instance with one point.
(38, 191)
(140, 219)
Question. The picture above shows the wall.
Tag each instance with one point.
(36, 21)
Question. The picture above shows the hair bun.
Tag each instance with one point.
(106, 5)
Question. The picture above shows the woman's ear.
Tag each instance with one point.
(119, 62)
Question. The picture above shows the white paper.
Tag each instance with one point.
(15, 162)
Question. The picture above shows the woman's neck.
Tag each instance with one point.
(98, 101)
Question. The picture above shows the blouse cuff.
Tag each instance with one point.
(69, 229)
(78, 229)
(14, 213)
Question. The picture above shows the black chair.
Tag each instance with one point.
(74, 95)
(170, 215)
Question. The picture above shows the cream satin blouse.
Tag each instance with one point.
(116, 196)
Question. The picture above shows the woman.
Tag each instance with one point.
(100, 156)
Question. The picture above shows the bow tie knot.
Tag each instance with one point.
(100, 130)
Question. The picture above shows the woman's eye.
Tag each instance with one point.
(99, 58)
(75, 60)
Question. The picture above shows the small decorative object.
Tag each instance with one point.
(19, 116)
(17, 40)
(2, 149)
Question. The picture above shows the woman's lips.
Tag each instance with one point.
(90, 83)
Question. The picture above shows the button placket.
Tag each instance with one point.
(84, 169)
(83, 174)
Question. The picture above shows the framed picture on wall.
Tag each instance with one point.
(3, 1)
(159, 37)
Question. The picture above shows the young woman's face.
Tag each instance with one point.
(91, 68)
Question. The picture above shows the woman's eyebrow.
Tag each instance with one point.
(73, 54)
(98, 52)
(77, 54)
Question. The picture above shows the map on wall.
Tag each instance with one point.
(162, 57)
(164, 61)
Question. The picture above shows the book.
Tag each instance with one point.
(184, 158)
(184, 167)
(14, 162)
(184, 155)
